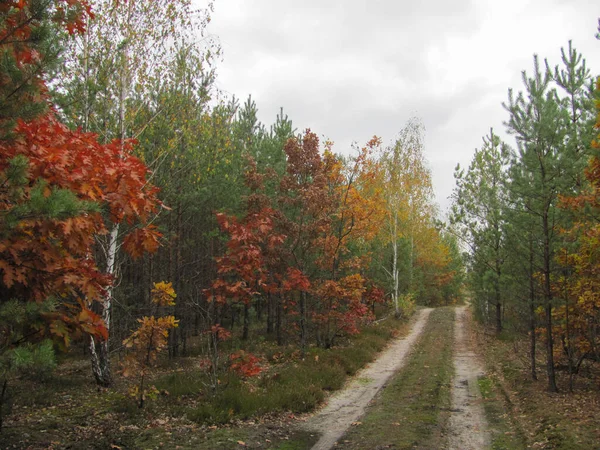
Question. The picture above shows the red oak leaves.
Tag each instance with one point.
(47, 249)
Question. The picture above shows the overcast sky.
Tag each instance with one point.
(351, 69)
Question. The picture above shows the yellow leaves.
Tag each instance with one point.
(150, 338)
(163, 294)
(145, 344)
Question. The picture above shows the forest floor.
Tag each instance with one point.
(65, 410)
(521, 412)
(431, 387)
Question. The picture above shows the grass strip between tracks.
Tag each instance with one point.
(413, 410)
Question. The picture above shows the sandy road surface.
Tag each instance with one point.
(349, 404)
(468, 426)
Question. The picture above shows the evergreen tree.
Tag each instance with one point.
(539, 124)
(30, 42)
(479, 213)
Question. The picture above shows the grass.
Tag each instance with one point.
(505, 433)
(67, 410)
(292, 383)
(233, 437)
(523, 414)
(413, 410)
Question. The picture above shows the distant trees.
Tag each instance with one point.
(408, 197)
(479, 212)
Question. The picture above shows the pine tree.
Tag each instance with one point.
(539, 124)
(479, 213)
(30, 42)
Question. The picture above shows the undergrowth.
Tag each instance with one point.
(67, 410)
(523, 413)
(290, 383)
(505, 433)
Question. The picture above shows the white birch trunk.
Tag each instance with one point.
(395, 271)
(100, 350)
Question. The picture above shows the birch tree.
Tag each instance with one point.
(408, 195)
(110, 77)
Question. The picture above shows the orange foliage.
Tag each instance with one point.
(219, 333)
(242, 269)
(51, 255)
(244, 364)
(45, 256)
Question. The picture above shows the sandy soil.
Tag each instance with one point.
(468, 426)
(346, 406)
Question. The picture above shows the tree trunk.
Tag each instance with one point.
(498, 316)
(246, 321)
(100, 362)
(567, 340)
(269, 314)
(176, 334)
(395, 272)
(100, 355)
(497, 291)
(548, 307)
(278, 322)
(2, 402)
(532, 337)
(258, 304)
(411, 260)
(99, 350)
(303, 322)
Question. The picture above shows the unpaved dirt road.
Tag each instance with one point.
(468, 426)
(468, 429)
(349, 404)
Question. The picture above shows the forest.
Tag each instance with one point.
(161, 249)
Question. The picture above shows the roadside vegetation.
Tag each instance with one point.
(65, 410)
(210, 268)
(522, 414)
(216, 272)
(505, 432)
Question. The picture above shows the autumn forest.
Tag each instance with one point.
(173, 269)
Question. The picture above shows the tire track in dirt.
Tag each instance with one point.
(468, 428)
(347, 405)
